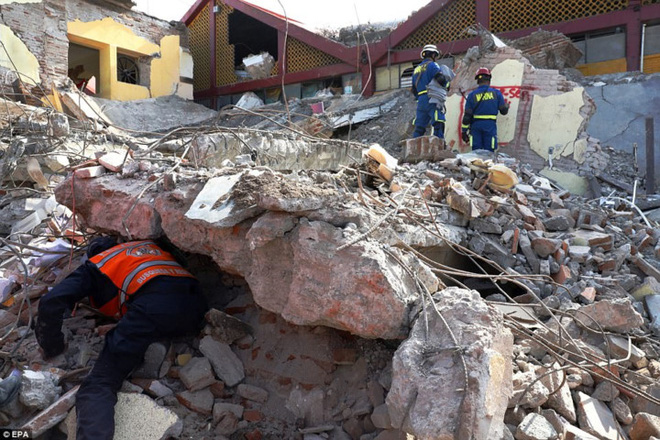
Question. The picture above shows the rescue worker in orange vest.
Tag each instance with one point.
(153, 297)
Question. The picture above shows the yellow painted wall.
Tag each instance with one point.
(20, 58)
(652, 63)
(562, 113)
(110, 37)
(611, 66)
(165, 70)
(508, 74)
(387, 78)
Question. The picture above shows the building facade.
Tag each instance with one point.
(103, 46)
(614, 36)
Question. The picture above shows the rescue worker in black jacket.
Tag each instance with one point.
(153, 297)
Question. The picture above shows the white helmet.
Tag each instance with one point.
(429, 48)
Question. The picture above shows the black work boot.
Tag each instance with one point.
(9, 387)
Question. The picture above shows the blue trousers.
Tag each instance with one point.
(428, 113)
(483, 135)
(166, 307)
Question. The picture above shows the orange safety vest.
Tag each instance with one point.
(130, 266)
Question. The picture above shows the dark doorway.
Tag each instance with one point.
(84, 68)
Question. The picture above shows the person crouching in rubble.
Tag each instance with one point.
(152, 296)
(430, 83)
(481, 107)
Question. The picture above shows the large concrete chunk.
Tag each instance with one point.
(104, 201)
(197, 374)
(535, 427)
(38, 390)
(139, 417)
(306, 279)
(427, 369)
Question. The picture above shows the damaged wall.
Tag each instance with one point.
(538, 99)
(47, 27)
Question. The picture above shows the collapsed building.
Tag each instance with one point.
(356, 292)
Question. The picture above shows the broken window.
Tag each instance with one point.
(84, 68)
(250, 37)
(128, 70)
(601, 46)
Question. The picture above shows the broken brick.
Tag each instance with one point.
(252, 415)
(544, 247)
(527, 214)
(199, 401)
(563, 275)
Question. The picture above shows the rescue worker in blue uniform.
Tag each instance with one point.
(153, 297)
(481, 107)
(427, 109)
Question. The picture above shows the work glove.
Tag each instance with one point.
(51, 343)
(465, 136)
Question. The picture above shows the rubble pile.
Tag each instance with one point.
(370, 299)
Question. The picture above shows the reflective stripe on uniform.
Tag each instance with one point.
(470, 140)
(492, 143)
(485, 117)
(465, 126)
(421, 93)
(129, 278)
(121, 249)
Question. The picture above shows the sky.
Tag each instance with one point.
(313, 13)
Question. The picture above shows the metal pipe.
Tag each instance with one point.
(641, 50)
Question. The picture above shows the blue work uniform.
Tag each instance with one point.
(427, 112)
(165, 307)
(481, 108)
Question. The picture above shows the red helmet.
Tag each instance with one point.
(482, 72)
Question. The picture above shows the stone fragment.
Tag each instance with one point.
(605, 392)
(596, 418)
(197, 374)
(226, 364)
(114, 160)
(52, 415)
(562, 275)
(617, 315)
(414, 394)
(640, 404)
(622, 411)
(561, 400)
(619, 348)
(558, 223)
(38, 390)
(89, 172)
(153, 359)
(544, 247)
(251, 392)
(380, 417)
(525, 395)
(226, 328)
(222, 408)
(583, 237)
(528, 214)
(486, 225)
(579, 253)
(652, 303)
(139, 417)
(227, 424)
(644, 426)
(199, 401)
(526, 248)
(535, 427)
(650, 286)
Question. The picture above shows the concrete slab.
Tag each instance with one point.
(137, 417)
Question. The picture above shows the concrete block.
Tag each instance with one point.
(38, 389)
(197, 374)
(619, 349)
(644, 426)
(221, 408)
(114, 160)
(653, 309)
(89, 172)
(535, 427)
(251, 392)
(139, 417)
(153, 359)
(199, 401)
(226, 364)
(380, 417)
(596, 418)
(226, 328)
